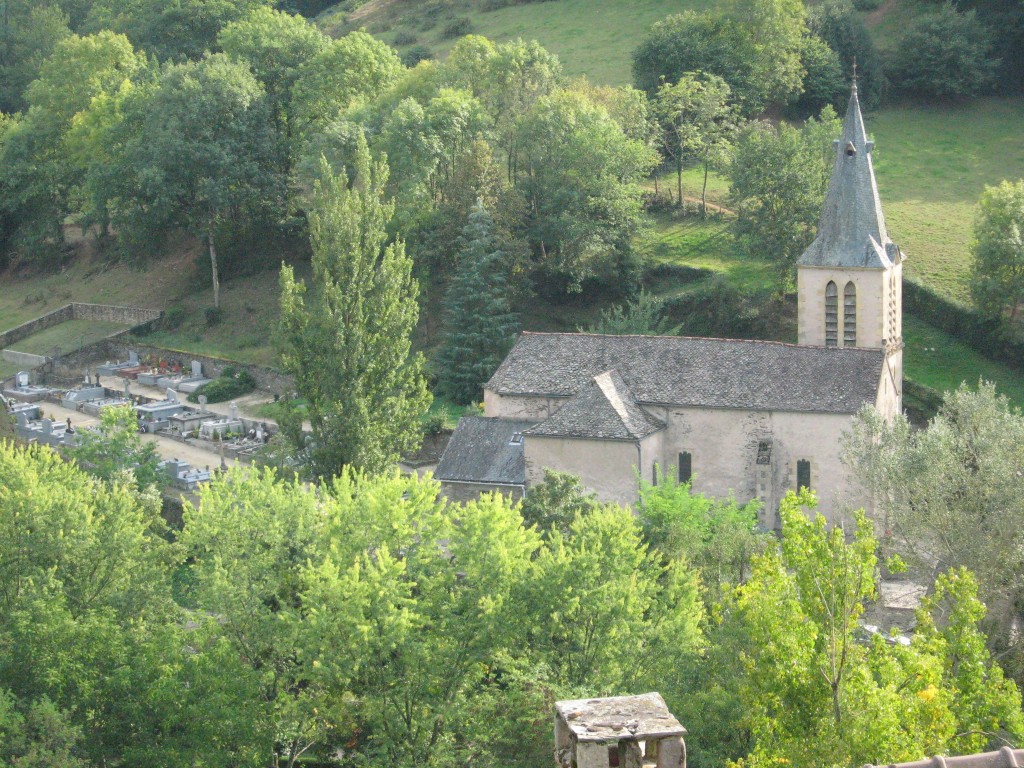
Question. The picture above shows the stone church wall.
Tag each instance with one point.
(725, 444)
(607, 467)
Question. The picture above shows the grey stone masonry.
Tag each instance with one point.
(131, 316)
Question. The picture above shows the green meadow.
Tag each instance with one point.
(595, 38)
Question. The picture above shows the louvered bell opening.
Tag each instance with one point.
(831, 315)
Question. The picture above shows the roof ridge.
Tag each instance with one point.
(767, 342)
(610, 390)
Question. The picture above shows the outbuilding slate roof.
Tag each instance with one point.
(619, 718)
(685, 371)
(481, 451)
(605, 409)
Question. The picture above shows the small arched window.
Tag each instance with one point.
(685, 467)
(831, 315)
(850, 315)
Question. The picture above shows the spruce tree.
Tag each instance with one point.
(346, 339)
(479, 322)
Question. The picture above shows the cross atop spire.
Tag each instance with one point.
(852, 229)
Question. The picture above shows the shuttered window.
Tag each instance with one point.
(831, 315)
(803, 474)
(850, 315)
(685, 467)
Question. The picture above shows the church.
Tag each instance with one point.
(751, 419)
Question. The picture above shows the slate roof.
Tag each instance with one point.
(1002, 758)
(481, 451)
(852, 231)
(684, 371)
(605, 409)
(619, 718)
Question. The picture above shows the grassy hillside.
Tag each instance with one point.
(591, 37)
(932, 163)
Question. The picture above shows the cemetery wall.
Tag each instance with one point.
(41, 323)
(117, 348)
(25, 359)
(131, 316)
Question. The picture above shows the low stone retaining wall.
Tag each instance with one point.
(24, 359)
(41, 323)
(118, 346)
(135, 317)
(110, 313)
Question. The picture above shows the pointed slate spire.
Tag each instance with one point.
(852, 228)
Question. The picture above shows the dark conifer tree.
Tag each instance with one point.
(479, 321)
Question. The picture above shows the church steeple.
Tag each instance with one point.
(852, 229)
(850, 279)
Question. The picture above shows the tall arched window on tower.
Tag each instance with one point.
(831, 315)
(850, 315)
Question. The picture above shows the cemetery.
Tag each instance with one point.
(150, 386)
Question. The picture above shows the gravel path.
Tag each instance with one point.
(167, 448)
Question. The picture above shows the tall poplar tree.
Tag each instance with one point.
(346, 339)
(479, 321)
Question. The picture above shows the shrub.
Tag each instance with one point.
(172, 318)
(457, 28)
(232, 383)
(213, 316)
(435, 423)
(416, 54)
(405, 37)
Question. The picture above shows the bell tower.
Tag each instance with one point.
(850, 279)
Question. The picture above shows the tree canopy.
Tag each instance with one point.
(346, 338)
(997, 273)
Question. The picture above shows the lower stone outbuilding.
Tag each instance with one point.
(618, 732)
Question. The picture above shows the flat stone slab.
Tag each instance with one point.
(901, 595)
(619, 717)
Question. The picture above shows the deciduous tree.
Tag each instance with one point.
(997, 273)
(943, 55)
(777, 181)
(697, 123)
(754, 45)
(953, 493)
(346, 338)
(195, 151)
(579, 175)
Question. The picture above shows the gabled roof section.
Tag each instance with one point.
(852, 231)
(605, 410)
(1003, 758)
(684, 371)
(482, 450)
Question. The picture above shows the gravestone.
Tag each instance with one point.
(21, 380)
(197, 368)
